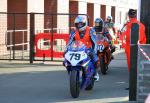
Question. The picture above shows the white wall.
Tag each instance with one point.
(37, 6)
(133, 4)
(82, 7)
(3, 26)
(108, 10)
(139, 9)
(3, 5)
(63, 20)
(96, 11)
(123, 16)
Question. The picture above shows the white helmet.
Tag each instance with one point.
(109, 18)
(81, 22)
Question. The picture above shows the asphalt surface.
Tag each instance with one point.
(44, 83)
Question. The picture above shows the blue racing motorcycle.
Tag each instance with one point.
(79, 67)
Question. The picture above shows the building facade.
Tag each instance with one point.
(93, 8)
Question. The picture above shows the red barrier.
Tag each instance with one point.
(48, 37)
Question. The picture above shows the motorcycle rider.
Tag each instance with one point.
(109, 26)
(87, 35)
(100, 29)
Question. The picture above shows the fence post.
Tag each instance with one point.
(52, 38)
(134, 37)
(32, 34)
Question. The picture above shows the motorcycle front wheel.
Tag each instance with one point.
(74, 83)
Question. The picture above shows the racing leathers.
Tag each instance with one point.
(88, 37)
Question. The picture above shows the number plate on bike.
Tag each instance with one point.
(75, 57)
(100, 48)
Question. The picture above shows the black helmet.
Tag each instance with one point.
(132, 13)
(99, 24)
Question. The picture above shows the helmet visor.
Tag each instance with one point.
(79, 25)
(97, 24)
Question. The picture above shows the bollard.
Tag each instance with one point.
(134, 37)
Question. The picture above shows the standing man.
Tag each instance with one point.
(142, 38)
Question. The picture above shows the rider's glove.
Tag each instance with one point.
(88, 52)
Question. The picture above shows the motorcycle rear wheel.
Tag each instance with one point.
(103, 66)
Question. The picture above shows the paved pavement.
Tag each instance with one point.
(44, 83)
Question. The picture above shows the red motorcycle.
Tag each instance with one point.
(104, 53)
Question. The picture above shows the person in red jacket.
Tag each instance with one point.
(142, 38)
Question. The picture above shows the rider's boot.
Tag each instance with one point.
(112, 57)
(96, 76)
(113, 49)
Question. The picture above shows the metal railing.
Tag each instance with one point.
(143, 72)
(18, 31)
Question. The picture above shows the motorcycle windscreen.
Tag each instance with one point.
(77, 46)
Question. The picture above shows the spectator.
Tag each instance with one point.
(142, 38)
